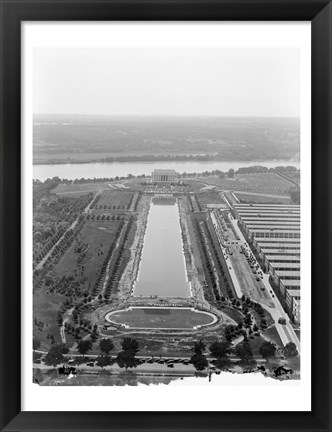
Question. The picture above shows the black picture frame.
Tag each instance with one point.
(13, 12)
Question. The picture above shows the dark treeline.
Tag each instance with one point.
(44, 187)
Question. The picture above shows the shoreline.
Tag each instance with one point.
(170, 159)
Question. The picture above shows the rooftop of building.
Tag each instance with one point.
(279, 264)
(268, 251)
(292, 206)
(291, 273)
(279, 258)
(276, 230)
(259, 218)
(274, 227)
(164, 171)
(290, 282)
(275, 240)
(294, 292)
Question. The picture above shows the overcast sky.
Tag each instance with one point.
(181, 81)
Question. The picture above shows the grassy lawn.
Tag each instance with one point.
(209, 198)
(232, 313)
(78, 187)
(251, 181)
(273, 334)
(161, 318)
(115, 199)
(255, 343)
(264, 179)
(90, 248)
(295, 175)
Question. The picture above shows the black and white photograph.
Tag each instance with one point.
(166, 214)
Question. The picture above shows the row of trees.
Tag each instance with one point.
(102, 272)
(221, 352)
(104, 217)
(49, 184)
(208, 266)
(115, 273)
(51, 217)
(226, 280)
(126, 358)
(209, 273)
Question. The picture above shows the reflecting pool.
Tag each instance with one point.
(162, 270)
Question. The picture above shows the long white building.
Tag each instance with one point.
(274, 231)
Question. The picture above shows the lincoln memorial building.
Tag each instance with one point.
(164, 176)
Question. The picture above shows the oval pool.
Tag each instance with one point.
(161, 318)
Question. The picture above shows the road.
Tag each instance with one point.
(153, 368)
(286, 332)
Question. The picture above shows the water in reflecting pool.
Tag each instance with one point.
(162, 269)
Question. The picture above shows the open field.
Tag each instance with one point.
(209, 198)
(84, 258)
(114, 199)
(262, 198)
(252, 182)
(76, 188)
(262, 180)
(160, 318)
(295, 175)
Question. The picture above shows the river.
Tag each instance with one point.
(162, 269)
(122, 169)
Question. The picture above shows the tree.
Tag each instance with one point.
(199, 347)
(130, 345)
(36, 343)
(290, 350)
(220, 349)
(295, 194)
(223, 363)
(267, 350)
(127, 359)
(106, 345)
(84, 346)
(199, 361)
(55, 355)
(230, 173)
(244, 351)
(103, 361)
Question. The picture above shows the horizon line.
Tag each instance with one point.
(167, 115)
